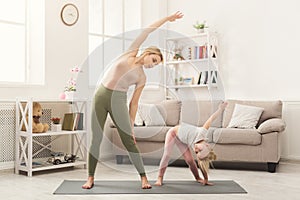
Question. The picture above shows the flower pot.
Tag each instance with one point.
(56, 127)
(69, 95)
(200, 30)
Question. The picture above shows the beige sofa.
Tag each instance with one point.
(258, 145)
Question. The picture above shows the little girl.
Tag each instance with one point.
(185, 137)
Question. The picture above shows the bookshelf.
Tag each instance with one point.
(26, 158)
(191, 62)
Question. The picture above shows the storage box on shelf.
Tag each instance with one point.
(27, 158)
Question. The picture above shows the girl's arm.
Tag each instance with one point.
(215, 115)
(133, 49)
(205, 181)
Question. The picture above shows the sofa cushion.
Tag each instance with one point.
(151, 133)
(197, 112)
(272, 109)
(150, 115)
(138, 119)
(237, 136)
(245, 116)
(170, 110)
(271, 125)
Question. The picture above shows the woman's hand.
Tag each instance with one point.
(177, 15)
(133, 137)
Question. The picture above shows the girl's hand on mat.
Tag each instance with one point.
(205, 182)
(199, 180)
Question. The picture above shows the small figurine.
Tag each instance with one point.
(178, 53)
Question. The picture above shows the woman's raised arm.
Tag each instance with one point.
(134, 47)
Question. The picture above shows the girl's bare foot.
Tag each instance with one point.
(145, 183)
(89, 183)
(159, 181)
(200, 180)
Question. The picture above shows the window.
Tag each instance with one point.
(22, 42)
(113, 25)
(109, 21)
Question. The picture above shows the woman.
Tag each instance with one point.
(185, 137)
(111, 98)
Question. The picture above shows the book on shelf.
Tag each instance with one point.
(203, 77)
(197, 52)
(199, 78)
(73, 121)
(213, 49)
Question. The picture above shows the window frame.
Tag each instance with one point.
(104, 37)
(28, 48)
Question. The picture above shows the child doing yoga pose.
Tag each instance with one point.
(186, 136)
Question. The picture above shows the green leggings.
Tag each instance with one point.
(115, 103)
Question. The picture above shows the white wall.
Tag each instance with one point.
(259, 43)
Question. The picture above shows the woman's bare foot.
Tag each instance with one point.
(159, 181)
(145, 183)
(89, 183)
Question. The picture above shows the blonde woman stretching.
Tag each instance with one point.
(185, 137)
(111, 97)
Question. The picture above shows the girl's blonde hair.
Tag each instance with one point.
(205, 162)
(152, 50)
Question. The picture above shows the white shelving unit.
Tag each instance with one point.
(25, 140)
(200, 58)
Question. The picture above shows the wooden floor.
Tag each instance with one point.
(285, 184)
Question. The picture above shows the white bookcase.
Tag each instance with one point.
(26, 156)
(191, 62)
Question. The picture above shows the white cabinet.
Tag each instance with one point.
(29, 145)
(191, 62)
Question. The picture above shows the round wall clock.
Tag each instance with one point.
(69, 14)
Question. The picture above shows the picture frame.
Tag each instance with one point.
(214, 76)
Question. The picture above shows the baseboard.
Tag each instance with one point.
(7, 165)
(290, 158)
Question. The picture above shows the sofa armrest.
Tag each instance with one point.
(271, 125)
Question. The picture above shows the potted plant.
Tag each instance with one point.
(55, 120)
(200, 26)
(55, 126)
(70, 88)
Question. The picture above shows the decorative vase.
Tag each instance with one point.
(69, 95)
(62, 96)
